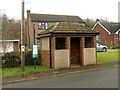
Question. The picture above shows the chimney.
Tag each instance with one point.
(28, 11)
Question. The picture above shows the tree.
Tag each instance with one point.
(10, 31)
(3, 44)
(89, 22)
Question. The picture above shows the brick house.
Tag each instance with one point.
(109, 32)
(41, 22)
(66, 44)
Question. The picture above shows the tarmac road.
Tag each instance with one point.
(103, 78)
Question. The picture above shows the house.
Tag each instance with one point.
(109, 32)
(66, 44)
(41, 22)
(9, 46)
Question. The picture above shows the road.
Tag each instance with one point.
(104, 78)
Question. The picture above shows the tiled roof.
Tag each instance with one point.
(65, 27)
(55, 18)
(111, 27)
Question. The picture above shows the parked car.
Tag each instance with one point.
(101, 48)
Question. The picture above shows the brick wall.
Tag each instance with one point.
(104, 35)
(67, 44)
(115, 39)
(82, 46)
(45, 57)
(45, 54)
(30, 36)
(53, 47)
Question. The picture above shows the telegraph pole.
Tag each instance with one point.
(22, 39)
(1, 24)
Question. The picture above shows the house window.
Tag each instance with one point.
(98, 37)
(42, 25)
(60, 43)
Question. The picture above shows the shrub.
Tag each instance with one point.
(10, 59)
(29, 60)
(115, 47)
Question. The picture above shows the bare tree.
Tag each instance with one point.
(10, 31)
(4, 44)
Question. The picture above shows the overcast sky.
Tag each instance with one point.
(105, 9)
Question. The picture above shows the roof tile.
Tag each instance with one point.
(55, 18)
(111, 27)
(65, 27)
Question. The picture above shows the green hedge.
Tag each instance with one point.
(12, 59)
(29, 60)
(115, 47)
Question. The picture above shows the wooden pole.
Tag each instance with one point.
(22, 39)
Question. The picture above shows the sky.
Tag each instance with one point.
(93, 9)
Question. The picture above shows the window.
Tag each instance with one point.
(98, 37)
(42, 25)
(88, 42)
(60, 43)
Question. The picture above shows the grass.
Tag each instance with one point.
(105, 57)
(102, 57)
(15, 72)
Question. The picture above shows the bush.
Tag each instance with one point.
(115, 47)
(10, 59)
(29, 60)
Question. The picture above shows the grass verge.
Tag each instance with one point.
(102, 57)
(15, 72)
(106, 57)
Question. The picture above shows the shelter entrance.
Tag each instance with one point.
(75, 51)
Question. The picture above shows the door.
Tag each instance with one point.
(75, 50)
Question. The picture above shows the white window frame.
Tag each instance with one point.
(42, 25)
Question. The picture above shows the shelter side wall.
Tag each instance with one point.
(61, 59)
(89, 56)
(45, 57)
(45, 52)
(45, 44)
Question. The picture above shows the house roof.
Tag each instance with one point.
(55, 18)
(65, 27)
(111, 27)
(16, 40)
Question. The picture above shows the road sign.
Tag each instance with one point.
(35, 51)
(22, 48)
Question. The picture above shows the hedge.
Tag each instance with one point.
(29, 60)
(12, 59)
